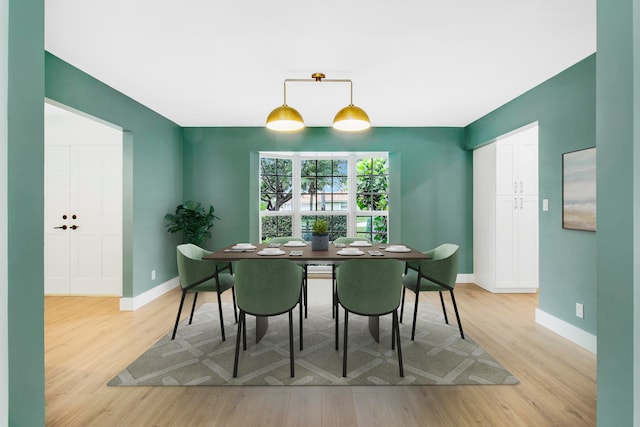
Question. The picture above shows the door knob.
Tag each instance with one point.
(64, 227)
(73, 227)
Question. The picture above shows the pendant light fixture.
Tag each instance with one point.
(287, 119)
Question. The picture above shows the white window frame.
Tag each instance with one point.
(352, 212)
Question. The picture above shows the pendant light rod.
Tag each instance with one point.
(319, 77)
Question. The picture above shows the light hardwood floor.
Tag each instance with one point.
(88, 341)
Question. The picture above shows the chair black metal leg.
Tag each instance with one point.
(243, 317)
(444, 310)
(175, 328)
(455, 308)
(291, 342)
(415, 316)
(404, 290)
(334, 299)
(393, 334)
(304, 288)
(344, 354)
(221, 318)
(300, 325)
(235, 307)
(235, 360)
(193, 306)
(396, 326)
(337, 329)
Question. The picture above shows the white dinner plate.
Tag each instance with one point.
(349, 253)
(295, 244)
(360, 244)
(271, 253)
(404, 249)
(242, 246)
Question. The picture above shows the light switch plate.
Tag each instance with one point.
(545, 205)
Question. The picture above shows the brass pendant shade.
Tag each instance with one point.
(351, 119)
(288, 119)
(285, 119)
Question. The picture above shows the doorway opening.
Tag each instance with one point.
(83, 218)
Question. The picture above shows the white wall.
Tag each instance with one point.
(4, 278)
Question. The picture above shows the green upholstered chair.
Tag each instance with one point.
(437, 274)
(287, 239)
(198, 275)
(370, 288)
(346, 241)
(268, 287)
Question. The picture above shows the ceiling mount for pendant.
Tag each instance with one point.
(287, 119)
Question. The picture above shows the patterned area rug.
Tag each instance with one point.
(198, 356)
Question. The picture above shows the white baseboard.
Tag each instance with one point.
(567, 330)
(465, 278)
(132, 304)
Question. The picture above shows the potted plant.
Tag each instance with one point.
(320, 235)
(193, 220)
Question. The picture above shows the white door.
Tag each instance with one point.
(83, 206)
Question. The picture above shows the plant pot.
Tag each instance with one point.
(320, 242)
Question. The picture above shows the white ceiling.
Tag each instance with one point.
(412, 62)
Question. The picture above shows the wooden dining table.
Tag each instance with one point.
(305, 255)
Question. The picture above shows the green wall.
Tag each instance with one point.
(618, 259)
(432, 175)
(152, 175)
(25, 202)
(564, 107)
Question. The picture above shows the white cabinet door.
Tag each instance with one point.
(527, 263)
(517, 242)
(527, 165)
(506, 242)
(506, 173)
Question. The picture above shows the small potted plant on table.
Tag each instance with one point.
(320, 235)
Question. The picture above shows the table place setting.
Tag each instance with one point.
(295, 244)
(350, 252)
(241, 247)
(397, 248)
(271, 252)
(360, 243)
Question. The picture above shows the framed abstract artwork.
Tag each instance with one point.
(579, 190)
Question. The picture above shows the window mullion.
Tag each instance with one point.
(352, 188)
(296, 220)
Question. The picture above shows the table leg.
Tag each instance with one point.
(374, 327)
(262, 324)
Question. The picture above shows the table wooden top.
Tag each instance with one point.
(309, 256)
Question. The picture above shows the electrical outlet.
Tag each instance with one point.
(579, 310)
(545, 205)
(153, 275)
